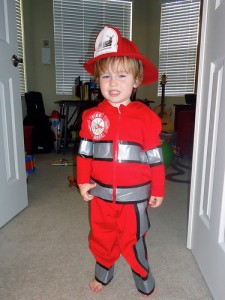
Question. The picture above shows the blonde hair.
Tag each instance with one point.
(131, 65)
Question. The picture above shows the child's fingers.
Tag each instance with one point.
(86, 196)
(155, 201)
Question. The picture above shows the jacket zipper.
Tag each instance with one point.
(116, 156)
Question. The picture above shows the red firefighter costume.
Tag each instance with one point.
(120, 151)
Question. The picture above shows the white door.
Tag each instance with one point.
(206, 234)
(13, 189)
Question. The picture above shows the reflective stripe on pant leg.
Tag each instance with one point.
(133, 225)
(144, 285)
(102, 274)
(132, 243)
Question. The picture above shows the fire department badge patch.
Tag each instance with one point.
(98, 124)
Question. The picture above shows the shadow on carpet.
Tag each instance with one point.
(179, 169)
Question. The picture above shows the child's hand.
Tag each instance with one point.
(155, 201)
(84, 188)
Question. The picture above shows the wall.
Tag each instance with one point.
(38, 25)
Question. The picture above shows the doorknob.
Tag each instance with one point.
(15, 60)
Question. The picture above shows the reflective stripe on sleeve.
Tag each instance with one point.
(131, 152)
(155, 156)
(85, 148)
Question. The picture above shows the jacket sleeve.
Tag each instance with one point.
(84, 163)
(152, 129)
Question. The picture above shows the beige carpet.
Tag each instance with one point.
(44, 251)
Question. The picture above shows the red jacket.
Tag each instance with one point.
(129, 130)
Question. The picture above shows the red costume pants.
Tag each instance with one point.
(120, 229)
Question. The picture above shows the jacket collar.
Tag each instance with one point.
(107, 107)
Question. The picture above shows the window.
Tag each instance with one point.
(178, 45)
(76, 24)
(20, 44)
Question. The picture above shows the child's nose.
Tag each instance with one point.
(113, 81)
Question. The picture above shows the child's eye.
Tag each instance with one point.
(105, 76)
(122, 75)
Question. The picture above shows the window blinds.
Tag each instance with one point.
(178, 46)
(76, 24)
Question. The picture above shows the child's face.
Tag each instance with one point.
(117, 84)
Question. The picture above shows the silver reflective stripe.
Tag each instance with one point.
(85, 148)
(144, 224)
(123, 194)
(155, 156)
(133, 194)
(144, 157)
(131, 152)
(134, 153)
(103, 274)
(101, 191)
(127, 152)
(103, 150)
(144, 285)
(140, 249)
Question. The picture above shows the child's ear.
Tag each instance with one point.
(136, 84)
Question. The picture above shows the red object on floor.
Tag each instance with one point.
(185, 131)
(27, 132)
